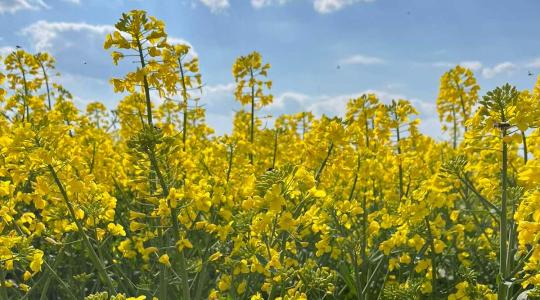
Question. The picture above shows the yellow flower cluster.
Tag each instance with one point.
(145, 202)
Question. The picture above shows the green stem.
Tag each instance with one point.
(487, 205)
(304, 124)
(163, 276)
(203, 274)
(3, 287)
(383, 284)
(520, 263)
(476, 221)
(93, 256)
(185, 98)
(371, 277)
(525, 152)
(365, 260)
(400, 166)
(145, 86)
(62, 282)
(26, 90)
(323, 164)
(45, 289)
(183, 268)
(503, 290)
(454, 143)
(357, 279)
(164, 187)
(357, 283)
(275, 149)
(46, 83)
(252, 128)
(174, 221)
(229, 168)
(45, 276)
(433, 262)
(462, 102)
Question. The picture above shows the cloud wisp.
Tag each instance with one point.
(258, 4)
(320, 6)
(42, 33)
(220, 104)
(501, 68)
(330, 6)
(216, 6)
(359, 59)
(506, 67)
(13, 6)
(535, 63)
(473, 65)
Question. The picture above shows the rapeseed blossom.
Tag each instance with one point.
(146, 202)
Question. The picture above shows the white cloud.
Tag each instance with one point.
(289, 101)
(328, 6)
(219, 88)
(263, 3)
(395, 85)
(337, 104)
(13, 6)
(86, 89)
(360, 59)
(43, 33)
(73, 1)
(220, 106)
(473, 65)
(502, 68)
(216, 6)
(535, 63)
(218, 100)
(443, 64)
(320, 6)
(221, 123)
(287, 97)
(330, 105)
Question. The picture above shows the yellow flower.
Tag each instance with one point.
(257, 296)
(164, 259)
(439, 246)
(224, 283)
(241, 287)
(405, 259)
(373, 227)
(215, 256)
(116, 229)
(183, 243)
(27, 275)
(37, 261)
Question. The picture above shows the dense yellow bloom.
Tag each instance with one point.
(246, 71)
(145, 201)
(164, 259)
(458, 93)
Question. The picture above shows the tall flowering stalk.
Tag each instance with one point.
(143, 201)
(145, 38)
(249, 73)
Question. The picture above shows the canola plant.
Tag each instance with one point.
(146, 202)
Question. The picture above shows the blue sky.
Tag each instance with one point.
(395, 48)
